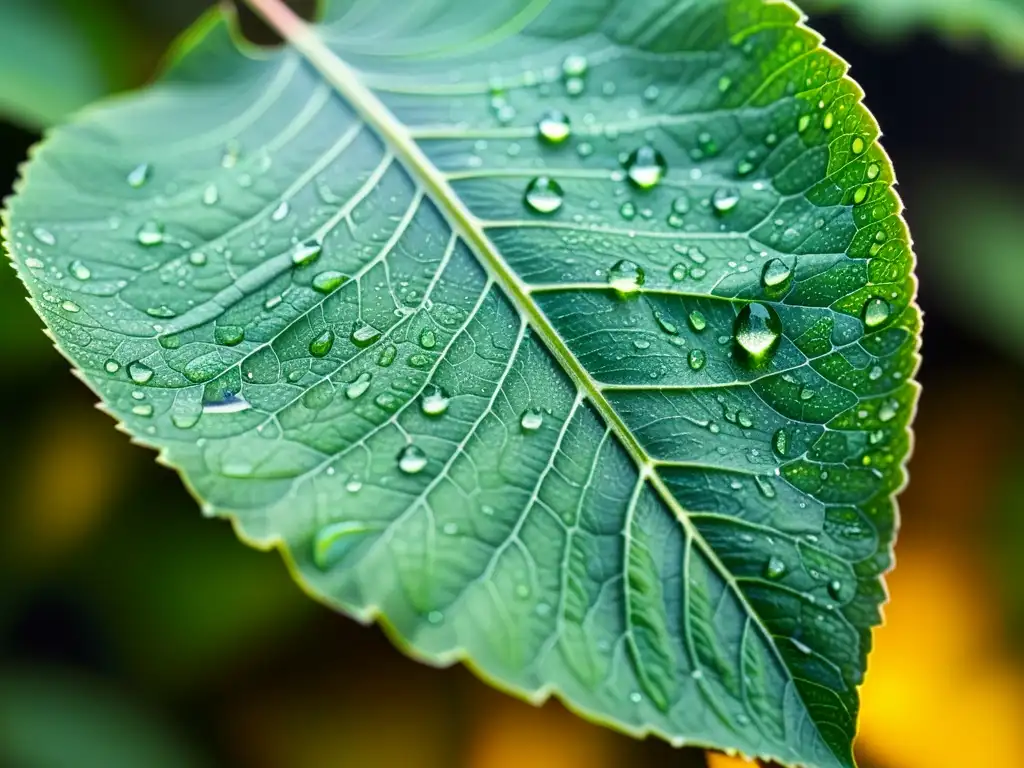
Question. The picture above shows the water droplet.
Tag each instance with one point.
(387, 356)
(326, 282)
(857, 145)
(321, 345)
(334, 542)
(636, 697)
(543, 195)
(860, 195)
(888, 410)
(33, 263)
(229, 403)
(553, 127)
(364, 335)
(803, 123)
(69, 306)
(211, 195)
(307, 252)
(627, 211)
(531, 420)
(574, 65)
(427, 339)
(626, 278)
(764, 485)
(642, 344)
(665, 324)
(229, 335)
(434, 402)
(697, 359)
(138, 176)
(197, 258)
(651, 93)
(775, 568)
(780, 442)
(112, 366)
(872, 171)
(358, 387)
(725, 199)
(678, 272)
(79, 271)
(44, 236)
(876, 311)
(828, 121)
(835, 589)
(697, 321)
(645, 167)
(140, 373)
(144, 409)
(280, 212)
(151, 233)
(757, 332)
(776, 276)
(411, 460)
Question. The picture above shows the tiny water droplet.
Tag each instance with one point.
(574, 65)
(835, 589)
(358, 387)
(144, 409)
(69, 306)
(678, 272)
(627, 211)
(33, 263)
(543, 195)
(211, 195)
(197, 259)
(79, 271)
(828, 121)
(553, 127)
(626, 278)
(140, 373)
(321, 345)
(876, 311)
(112, 366)
(531, 420)
(645, 167)
(764, 485)
(280, 212)
(757, 332)
(412, 460)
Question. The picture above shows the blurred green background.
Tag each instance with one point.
(135, 633)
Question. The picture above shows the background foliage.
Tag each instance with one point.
(118, 603)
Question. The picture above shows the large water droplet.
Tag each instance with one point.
(775, 568)
(69, 306)
(79, 270)
(531, 420)
(334, 542)
(358, 387)
(725, 199)
(140, 373)
(307, 252)
(757, 332)
(150, 233)
(553, 127)
(364, 335)
(697, 321)
(229, 335)
(626, 278)
(645, 167)
(326, 282)
(138, 176)
(876, 311)
(412, 460)
(776, 276)
(321, 345)
(543, 195)
(434, 402)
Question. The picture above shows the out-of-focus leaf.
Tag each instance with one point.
(972, 228)
(51, 63)
(594, 370)
(1000, 21)
(55, 719)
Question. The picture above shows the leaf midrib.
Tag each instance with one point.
(403, 145)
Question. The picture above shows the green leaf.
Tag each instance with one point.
(612, 410)
(1001, 21)
(49, 62)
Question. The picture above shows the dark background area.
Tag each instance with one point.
(115, 591)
